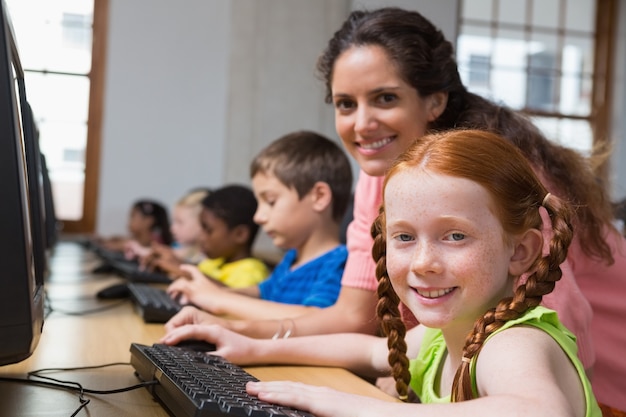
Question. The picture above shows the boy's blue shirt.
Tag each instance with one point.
(316, 283)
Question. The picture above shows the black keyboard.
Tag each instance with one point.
(107, 254)
(130, 270)
(197, 384)
(153, 304)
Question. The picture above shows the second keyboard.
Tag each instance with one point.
(153, 303)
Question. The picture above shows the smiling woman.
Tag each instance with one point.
(380, 115)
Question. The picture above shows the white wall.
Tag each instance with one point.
(273, 87)
(165, 103)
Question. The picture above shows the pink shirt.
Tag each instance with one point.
(360, 272)
(605, 288)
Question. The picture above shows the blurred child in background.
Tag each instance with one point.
(228, 233)
(186, 227)
(148, 223)
(187, 232)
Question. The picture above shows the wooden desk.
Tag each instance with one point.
(102, 337)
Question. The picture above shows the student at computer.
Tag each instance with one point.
(187, 229)
(148, 223)
(187, 233)
(470, 241)
(302, 182)
(228, 233)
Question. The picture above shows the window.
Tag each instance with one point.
(478, 70)
(546, 58)
(55, 43)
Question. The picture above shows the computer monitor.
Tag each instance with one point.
(22, 234)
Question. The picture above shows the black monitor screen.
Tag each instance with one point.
(22, 249)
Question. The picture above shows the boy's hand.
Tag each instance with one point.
(196, 289)
(190, 315)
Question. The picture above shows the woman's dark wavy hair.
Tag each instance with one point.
(516, 195)
(425, 60)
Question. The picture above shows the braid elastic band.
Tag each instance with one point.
(466, 359)
(543, 203)
(546, 230)
(403, 397)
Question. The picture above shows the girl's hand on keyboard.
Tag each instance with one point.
(323, 401)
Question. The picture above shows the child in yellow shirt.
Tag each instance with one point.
(228, 233)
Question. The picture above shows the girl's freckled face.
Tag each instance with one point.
(446, 255)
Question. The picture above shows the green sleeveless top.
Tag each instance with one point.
(425, 367)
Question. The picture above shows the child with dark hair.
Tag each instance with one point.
(470, 241)
(228, 234)
(187, 233)
(148, 223)
(302, 182)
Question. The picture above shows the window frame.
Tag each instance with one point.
(87, 223)
(601, 94)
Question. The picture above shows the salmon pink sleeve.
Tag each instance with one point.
(360, 267)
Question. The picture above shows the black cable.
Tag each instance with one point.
(47, 381)
(57, 383)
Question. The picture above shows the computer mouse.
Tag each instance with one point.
(115, 291)
(197, 345)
